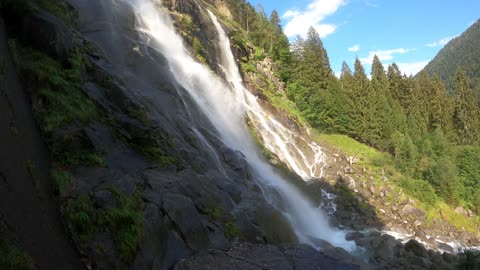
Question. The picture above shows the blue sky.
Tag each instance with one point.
(407, 32)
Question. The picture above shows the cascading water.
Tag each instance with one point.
(226, 108)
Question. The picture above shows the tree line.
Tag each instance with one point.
(430, 134)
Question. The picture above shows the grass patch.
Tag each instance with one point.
(63, 102)
(60, 9)
(71, 150)
(124, 221)
(213, 213)
(61, 180)
(231, 230)
(350, 146)
(81, 215)
(11, 258)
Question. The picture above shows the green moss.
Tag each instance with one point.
(11, 258)
(60, 180)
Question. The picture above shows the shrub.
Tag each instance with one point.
(11, 258)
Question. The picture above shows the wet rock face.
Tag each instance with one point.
(249, 256)
(385, 252)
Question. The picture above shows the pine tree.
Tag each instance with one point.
(316, 62)
(466, 116)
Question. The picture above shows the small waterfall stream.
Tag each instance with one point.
(226, 107)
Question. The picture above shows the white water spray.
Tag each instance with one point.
(226, 108)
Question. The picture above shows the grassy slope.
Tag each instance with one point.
(376, 162)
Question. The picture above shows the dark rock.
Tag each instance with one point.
(276, 226)
(416, 248)
(184, 215)
(387, 248)
(354, 236)
(445, 247)
(104, 199)
(44, 31)
(256, 257)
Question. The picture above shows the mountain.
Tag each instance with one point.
(462, 52)
(145, 134)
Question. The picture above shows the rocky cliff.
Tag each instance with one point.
(140, 175)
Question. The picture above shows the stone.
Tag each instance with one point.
(416, 248)
(350, 182)
(411, 210)
(349, 170)
(182, 212)
(352, 160)
(461, 210)
(352, 236)
(46, 32)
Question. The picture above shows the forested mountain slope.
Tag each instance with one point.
(463, 52)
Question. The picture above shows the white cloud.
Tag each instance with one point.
(412, 68)
(354, 48)
(441, 42)
(298, 22)
(383, 55)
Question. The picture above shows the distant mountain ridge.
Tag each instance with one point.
(461, 52)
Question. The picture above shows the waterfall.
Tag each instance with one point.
(226, 107)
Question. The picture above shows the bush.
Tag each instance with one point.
(419, 189)
(12, 258)
(60, 180)
(469, 259)
(59, 87)
(125, 223)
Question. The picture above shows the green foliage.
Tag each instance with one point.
(462, 52)
(259, 55)
(213, 213)
(60, 180)
(469, 172)
(124, 221)
(59, 87)
(60, 9)
(81, 215)
(418, 189)
(469, 259)
(11, 258)
(72, 150)
(231, 230)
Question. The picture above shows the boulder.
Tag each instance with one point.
(46, 32)
(182, 212)
(352, 236)
(416, 248)
(411, 210)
